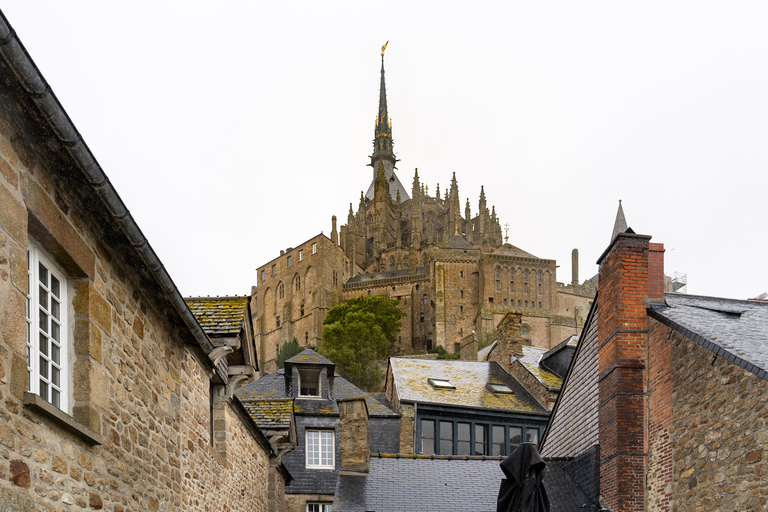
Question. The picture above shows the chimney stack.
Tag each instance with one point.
(575, 267)
(509, 341)
(354, 440)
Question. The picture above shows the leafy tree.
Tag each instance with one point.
(287, 351)
(444, 354)
(358, 332)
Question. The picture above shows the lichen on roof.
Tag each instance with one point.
(219, 316)
(270, 414)
(308, 356)
(531, 360)
(470, 379)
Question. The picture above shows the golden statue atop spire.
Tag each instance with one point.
(384, 48)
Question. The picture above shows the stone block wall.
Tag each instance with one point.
(720, 431)
(136, 435)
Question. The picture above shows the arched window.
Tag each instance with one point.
(298, 283)
(281, 291)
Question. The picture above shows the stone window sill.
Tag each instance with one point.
(64, 420)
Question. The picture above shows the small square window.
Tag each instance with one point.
(490, 301)
(499, 388)
(441, 383)
(309, 383)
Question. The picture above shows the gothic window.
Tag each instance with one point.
(262, 275)
(498, 273)
(539, 281)
(277, 320)
(298, 283)
(424, 299)
(512, 281)
(281, 291)
(302, 310)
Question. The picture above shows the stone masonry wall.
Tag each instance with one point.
(134, 378)
(720, 430)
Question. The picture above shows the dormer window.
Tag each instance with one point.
(309, 383)
(441, 383)
(499, 388)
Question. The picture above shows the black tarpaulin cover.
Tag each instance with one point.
(523, 489)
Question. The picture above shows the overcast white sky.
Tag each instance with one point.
(235, 129)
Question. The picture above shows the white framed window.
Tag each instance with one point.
(320, 452)
(301, 254)
(47, 346)
(314, 247)
(309, 383)
(319, 507)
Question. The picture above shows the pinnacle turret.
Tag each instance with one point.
(620, 224)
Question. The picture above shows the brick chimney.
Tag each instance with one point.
(354, 441)
(509, 340)
(631, 273)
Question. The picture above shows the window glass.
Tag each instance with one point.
(532, 435)
(515, 437)
(481, 439)
(314, 248)
(428, 437)
(320, 448)
(497, 440)
(463, 438)
(288, 261)
(301, 255)
(319, 507)
(446, 437)
(309, 383)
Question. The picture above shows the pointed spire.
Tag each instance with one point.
(382, 142)
(454, 184)
(620, 224)
(437, 192)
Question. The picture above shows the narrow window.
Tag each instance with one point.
(288, 261)
(531, 435)
(314, 247)
(320, 452)
(461, 294)
(428, 437)
(461, 274)
(515, 437)
(498, 285)
(497, 440)
(424, 299)
(46, 330)
(301, 254)
(461, 309)
(446, 437)
(274, 270)
(263, 272)
(298, 283)
(319, 507)
(277, 320)
(498, 273)
(302, 310)
(481, 439)
(463, 441)
(421, 317)
(306, 338)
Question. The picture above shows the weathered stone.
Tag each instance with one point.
(94, 500)
(89, 303)
(13, 216)
(9, 174)
(19, 473)
(58, 464)
(87, 339)
(754, 456)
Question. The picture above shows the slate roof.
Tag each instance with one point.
(270, 414)
(309, 356)
(219, 316)
(470, 379)
(531, 360)
(511, 250)
(433, 483)
(734, 329)
(458, 242)
(271, 386)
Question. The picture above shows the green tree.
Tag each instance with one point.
(287, 351)
(358, 332)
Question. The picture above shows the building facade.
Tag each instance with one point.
(450, 267)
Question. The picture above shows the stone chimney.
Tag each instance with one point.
(575, 267)
(509, 340)
(354, 440)
(631, 274)
(334, 233)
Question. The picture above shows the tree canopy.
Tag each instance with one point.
(357, 333)
(287, 351)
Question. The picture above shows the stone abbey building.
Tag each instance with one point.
(450, 267)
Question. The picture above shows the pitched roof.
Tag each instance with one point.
(734, 329)
(219, 316)
(361, 278)
(511, 250)
(468, 377)
(272, 386)
(461, 484)
(270, 414)
(309, 356)
(458, 242)
(531, 360)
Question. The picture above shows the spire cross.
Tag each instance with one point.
(506, 232)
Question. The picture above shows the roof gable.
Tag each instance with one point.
(219, 316)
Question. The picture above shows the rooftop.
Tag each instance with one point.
(218, 316)
(531, 360)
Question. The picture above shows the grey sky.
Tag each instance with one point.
(233, 130)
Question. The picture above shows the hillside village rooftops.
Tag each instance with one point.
(734, 329)
(470, 380)
(219, 316)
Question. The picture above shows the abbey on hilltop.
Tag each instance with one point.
(455, 275)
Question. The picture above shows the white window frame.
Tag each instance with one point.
(314, 247)
(319, 507)
(318, 458)
(42, 366)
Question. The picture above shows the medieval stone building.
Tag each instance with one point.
(450, 267)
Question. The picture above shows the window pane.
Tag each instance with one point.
(515, 436)
(497, 439)
(43, 298)
(326, 446)
(55, 289)
(313, 448)
(462, 439)
(43, 322)
(43, 368)
(428, 437)
(446, 438)
(43, 344)
(55, 309)
(55, 331)
(55, 376)
(481, 439)
(55, 353)
(42, 274)
(44, 390)
(532, 435)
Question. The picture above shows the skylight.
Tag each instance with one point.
(441, 383)
(499, 388)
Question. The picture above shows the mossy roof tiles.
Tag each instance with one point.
(219, 316)
(308, 356)
(468, 377)
(531, 360)
(270, 414)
